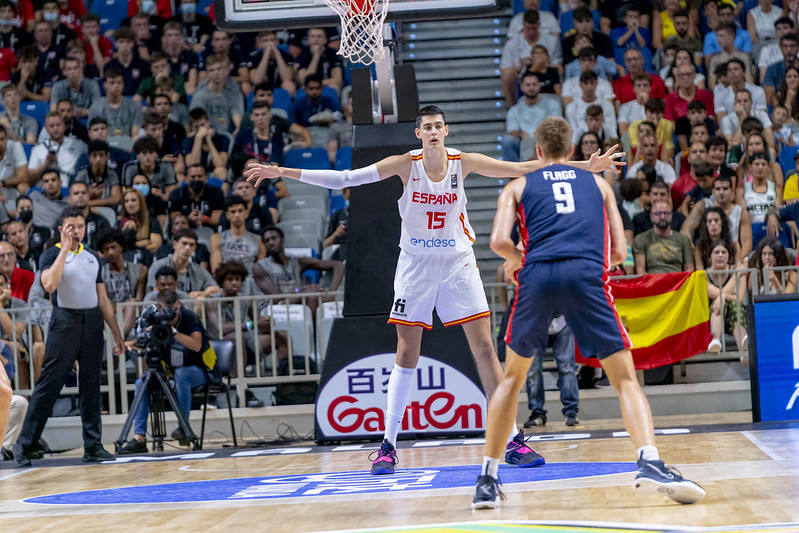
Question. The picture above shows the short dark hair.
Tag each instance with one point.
(429, 111)
(275, 229)
(185, 233)
(724, 5)
(726, 26)
(530, 74)
(723, 178)
(642, 76)
(260, 104)
(152, 117)
(97, 120)
(229, 268)
(198, 113)
(108, 236)
(751, 123)
(717, 140)
(593, 111)
(784, 20)
(234, 199)
(98, 146)
(697, 105)
(166, 271)
(659, 184)
(531, 16)
(167, 296)
(145, 144)
(655, 105)
(738, 62)
(790, 37)
(588, 75)
(50, 170)
(124, 33)
(264, 86)
(112, 73)
(582, 13)
(70, 212)
(588, 52)
(681, 13)
(312, 77)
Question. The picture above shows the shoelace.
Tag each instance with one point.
(499, 490)
(379, 453)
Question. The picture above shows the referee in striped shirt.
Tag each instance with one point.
(71, 274)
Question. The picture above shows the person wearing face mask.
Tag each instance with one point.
(160, 174)
(37, 235)
(197, 27)
(160, 8)
(51, 13)
(103, 182)
(11, 35)
(155, 205)
(200, 202)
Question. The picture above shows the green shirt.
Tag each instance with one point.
(664, 254)
(147, 88)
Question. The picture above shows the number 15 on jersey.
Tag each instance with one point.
(562, 191)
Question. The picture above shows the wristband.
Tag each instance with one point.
(338, 179)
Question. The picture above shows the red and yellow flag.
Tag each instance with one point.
(666, 316)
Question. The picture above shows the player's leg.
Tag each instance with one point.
(478, 333)
(400, 385)
(637, 417)
(500, 419)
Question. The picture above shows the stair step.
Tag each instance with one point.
(432, 34)
(480, 50)
(486, 83)
(473, 73)
(450, 66)
(502, 21)
(479, 127)
(460, 94)
(485, 193)
(460, 116)
(476, 181)
(454, 45)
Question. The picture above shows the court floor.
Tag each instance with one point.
(750, 472)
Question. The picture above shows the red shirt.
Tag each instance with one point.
(623, 87)
(21, 282)
(105, 47)
(681, 187)
(677, 106)
(7, 63)
(72, 13)
(25, 12)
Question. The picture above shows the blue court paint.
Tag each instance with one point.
(336, 483)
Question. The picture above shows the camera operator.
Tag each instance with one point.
(71, 274)
(189, 342)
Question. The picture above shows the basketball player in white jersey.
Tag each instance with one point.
(436, 266)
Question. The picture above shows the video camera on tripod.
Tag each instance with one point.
(154, 334)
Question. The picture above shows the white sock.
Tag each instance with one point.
(400, 384)
(648, 452)
(513, 432)
(490, 467)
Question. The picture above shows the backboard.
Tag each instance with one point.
(254, 15)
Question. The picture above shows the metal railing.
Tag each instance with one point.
(292, 327)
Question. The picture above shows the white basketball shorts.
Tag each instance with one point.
(449, 283)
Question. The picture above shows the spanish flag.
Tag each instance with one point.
(666, 315)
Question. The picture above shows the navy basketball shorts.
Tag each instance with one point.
(575, 288)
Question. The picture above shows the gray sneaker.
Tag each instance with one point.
(572, 420)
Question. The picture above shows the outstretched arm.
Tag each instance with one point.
(493, 168)
(618, 243)
(396, 165)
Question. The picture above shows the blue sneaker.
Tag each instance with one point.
(385, 460)
(487, 493)
(667, 480)
(517, 452)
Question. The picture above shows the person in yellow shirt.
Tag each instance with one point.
(664, 131)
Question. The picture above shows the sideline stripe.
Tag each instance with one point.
(760, 444)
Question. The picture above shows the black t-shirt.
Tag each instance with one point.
(698, 193)
(682, 126)
(132, 75)
(201, 253)
(185, 62)
(37, 237)
(259, 219)
(16, 39)
(642, 221)
(193, 30)
(221, 142)
(95, 224)
(139, 256)
(187, 324)
(336, 219)
(48, 71)
(327, 62)
(181, 199)
(548, 80)
(602, 45)
(272, 76)
(155, 205)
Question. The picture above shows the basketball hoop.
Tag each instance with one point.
(361, 28)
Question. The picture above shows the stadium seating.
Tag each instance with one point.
(297, 320)
(37, 110)
(343, 159)
(310, 158)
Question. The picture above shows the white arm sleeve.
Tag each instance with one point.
(338, 179)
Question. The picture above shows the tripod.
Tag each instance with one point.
(154, 384)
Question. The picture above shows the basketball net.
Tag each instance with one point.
(361, 28)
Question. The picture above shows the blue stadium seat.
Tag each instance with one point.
(343, 158)
(111, 13)
(281, 100)
(204, 6)
(37, 110)
(786, 158)
(28, 149)
(326, 91)
(214, 182)
(310, 158)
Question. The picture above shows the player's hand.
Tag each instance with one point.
(512, 269)
(119, 345)
(610, 160)
(256, 173)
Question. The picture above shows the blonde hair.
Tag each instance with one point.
(553, 136)
(142, 217)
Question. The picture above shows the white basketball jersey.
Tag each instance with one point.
(434, 219)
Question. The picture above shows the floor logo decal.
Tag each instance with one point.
(336, 483)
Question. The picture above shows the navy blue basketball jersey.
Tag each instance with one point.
(561, 215)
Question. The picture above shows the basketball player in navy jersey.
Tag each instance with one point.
(572, 233)
(436, 243)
